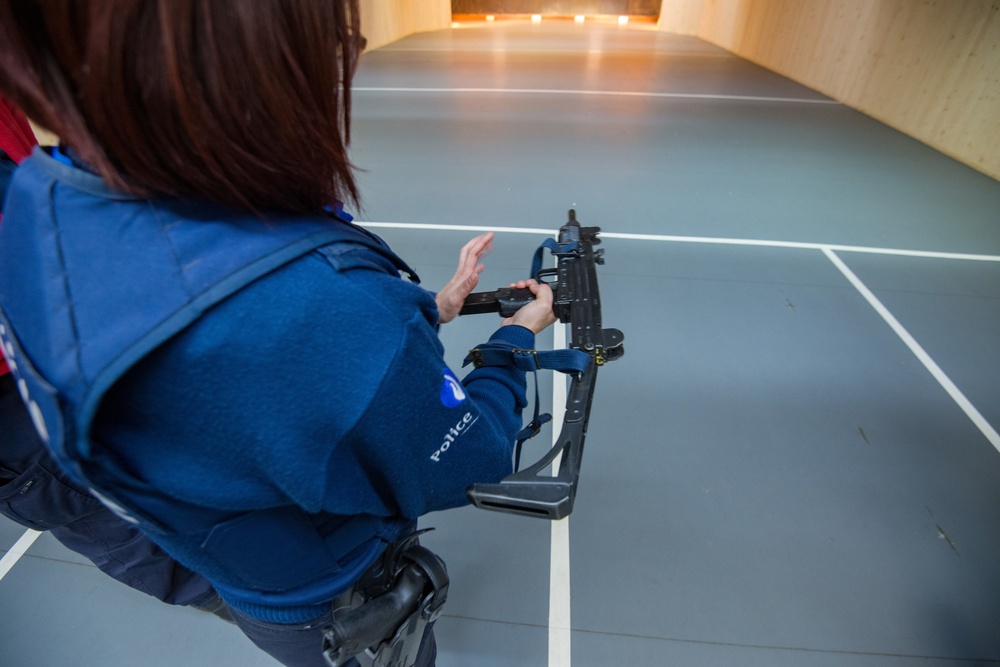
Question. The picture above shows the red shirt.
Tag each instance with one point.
(16, 140)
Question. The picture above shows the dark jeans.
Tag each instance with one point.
(36, 494)
(300, 645)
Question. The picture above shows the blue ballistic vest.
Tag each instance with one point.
(70, 332)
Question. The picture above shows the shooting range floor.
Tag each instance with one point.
(792, 465)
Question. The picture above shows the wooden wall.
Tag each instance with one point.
(681, 16)
(384, 21)
(930, 68)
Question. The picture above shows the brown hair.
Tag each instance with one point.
(243, 102)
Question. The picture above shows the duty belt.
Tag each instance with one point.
(381, 620)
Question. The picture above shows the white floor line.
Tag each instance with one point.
(829, 250)
(919, 351)
(16, 551)
(929, 254)
(457, 228)
(560, 628)
(559, 572)
(604, 93)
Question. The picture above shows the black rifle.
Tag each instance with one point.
(577, 302)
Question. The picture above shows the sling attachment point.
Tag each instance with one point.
(381, 622)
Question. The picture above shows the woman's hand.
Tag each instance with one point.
(535, 315)
(451, 298)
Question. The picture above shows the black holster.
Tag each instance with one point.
(382, 621)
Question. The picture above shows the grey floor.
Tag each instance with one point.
(773, 475)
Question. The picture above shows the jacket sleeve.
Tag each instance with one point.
(427, 436)
(424, 437)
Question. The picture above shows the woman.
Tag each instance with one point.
(204, 338)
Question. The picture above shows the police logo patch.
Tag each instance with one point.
(452, 392)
